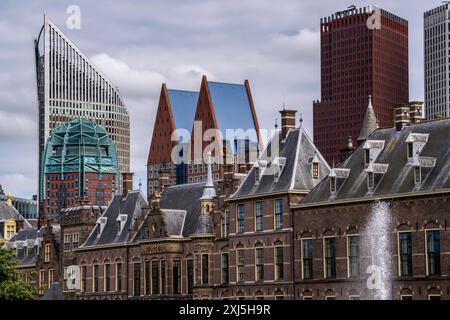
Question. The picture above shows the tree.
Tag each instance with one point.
(12, 286)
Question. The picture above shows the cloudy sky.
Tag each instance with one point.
(139, 45)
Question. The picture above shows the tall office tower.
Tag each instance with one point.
(69, 87)
(363, 52)
(436, 33)
(80, 165)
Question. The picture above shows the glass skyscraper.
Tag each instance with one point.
(69, 86)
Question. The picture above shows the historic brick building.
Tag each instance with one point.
(394, 186)
(364, 52)
(192, 115)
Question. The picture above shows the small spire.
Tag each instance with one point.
(140, 184)
(209, 191)
(301, 119)
(276, 123)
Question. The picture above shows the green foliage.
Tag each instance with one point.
(12, 285)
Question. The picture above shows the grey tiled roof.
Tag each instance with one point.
(9, 212)
(298, 149)
(184, 197)
(399, 178)
(30, 238)
(132, 206)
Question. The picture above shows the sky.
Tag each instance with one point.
(141, 44)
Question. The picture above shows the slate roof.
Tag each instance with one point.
(132, 206)
(183, 104)
(298, 150)
(9, 212)
(30, 238)
(399, 178)
(232, 109)
(184, 197)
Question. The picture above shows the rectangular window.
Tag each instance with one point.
(190, 275)
(148, 278)
(417, 175)
(95, 278)
(75, 240)
(307, 260)
(405, 252)
(225, 224)
(47, 252)
(41, 281)
(433, 252)
(279, 265)
(279, 214)
(137, 279)
(67, 242)
(410, 150)
(332, 184)
(240, 218)
(163, 277)
(176, 277)
(353, 256)
(51, 274)
(240, 265)
(330, 258)
(118, 276)
(366, 156)
(205, 269)
(370, 180)
(315, 170)
(107, 277)
(259, 264)
(225, 274)
(83, 278)
(259, 216)
(155, 277)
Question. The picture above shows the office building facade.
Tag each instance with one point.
(437, 65)
(363, 52)
(69, 86)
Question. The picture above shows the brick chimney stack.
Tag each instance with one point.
(127, 183)
(287, 121)
(416, 111)
(401, 116)
(164, 178)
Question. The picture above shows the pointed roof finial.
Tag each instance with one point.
(276, 123)
(370, 123)
(301, 119)
(140, 184)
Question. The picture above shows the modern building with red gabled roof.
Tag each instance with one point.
(179, 142)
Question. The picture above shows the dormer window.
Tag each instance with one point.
(333, 184)
(417, 175)
(366, 156)
(410, 149)
(370, 180)
(257, 172)
(315, 170)
(101, 222)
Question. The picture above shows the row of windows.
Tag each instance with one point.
(240, 216)
(405, 265)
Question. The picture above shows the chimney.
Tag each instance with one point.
(228, 172)
(415, 111)
(127, 183)
(163, 178)
(401, 116)
(287, 121)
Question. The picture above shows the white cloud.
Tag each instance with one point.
(17, 126)
(130, 81)
(305, 44)
(18, 184)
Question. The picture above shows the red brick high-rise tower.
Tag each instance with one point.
(363, 52)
